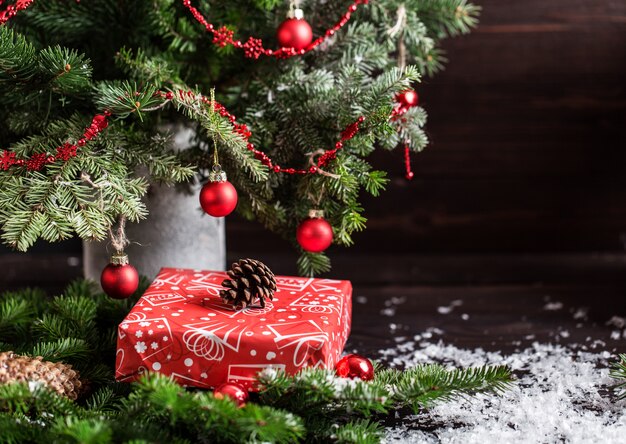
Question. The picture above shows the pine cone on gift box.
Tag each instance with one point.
(57, 376)
(249, 279)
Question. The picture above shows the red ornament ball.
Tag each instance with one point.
(355, 366)
(294, 33)
(314, 235)
(119, 281)
(234, 391)
(407, 99)
(218, 199)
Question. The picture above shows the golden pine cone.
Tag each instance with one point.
(57, 376)
(249, 279)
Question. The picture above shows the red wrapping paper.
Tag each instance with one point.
(180, 327)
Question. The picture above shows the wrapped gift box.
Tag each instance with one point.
(181, 327)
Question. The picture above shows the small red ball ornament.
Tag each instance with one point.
(234, 391)
(218, 196)
(315, 234)
(295, 32)
(119, 279)
(407, 99)
(355, 366)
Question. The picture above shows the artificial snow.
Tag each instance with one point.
(449, 308)
(561, 395)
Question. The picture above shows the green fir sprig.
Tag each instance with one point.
(78, 327)
(618, 372)
(61, 63)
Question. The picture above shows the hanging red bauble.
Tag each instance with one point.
(407, 99)
(315, 234)
(295, 32)
(355, 366)
(218, 196)
(119, 279)
(234, 391)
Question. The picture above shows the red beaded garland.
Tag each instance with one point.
(294, 33)
(355, 366)
(253, 48)
(65, 152)
(314, 234)
(348, 133)
(218, 199)
(407, 162)
(119, 281)
(232, 390)
(13, 9)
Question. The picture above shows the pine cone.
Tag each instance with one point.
(249, 279)
(56, 376)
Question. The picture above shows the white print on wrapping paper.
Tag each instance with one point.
(224, 308)
(304, 341)
(313, 304)
(203, 341)
(188, 380)
(292, 284)
(157, 299)
(139, 318)
(242, 372)
(206, 282)
(163, 279)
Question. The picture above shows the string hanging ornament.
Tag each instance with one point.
(295, 32)
(408, 98)
(119, 279)
(218, 197)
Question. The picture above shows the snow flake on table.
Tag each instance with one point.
(560, 396)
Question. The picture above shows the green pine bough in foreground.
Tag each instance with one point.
(619, 374)
(79, 328)
(63, 62)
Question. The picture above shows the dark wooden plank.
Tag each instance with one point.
(499, 318)
(375, 271)
(527, 142)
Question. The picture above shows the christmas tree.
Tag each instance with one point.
(88, 89)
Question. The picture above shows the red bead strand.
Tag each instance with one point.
(99, 122)
(65, 152)
(242, 129)
(407, 162)
(253, 47)
(12, 10)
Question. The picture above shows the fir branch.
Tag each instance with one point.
(618, 372)
(313, 405)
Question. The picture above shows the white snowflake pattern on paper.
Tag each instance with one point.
(144, 324)
(139, 333)
(167, 278)
(125, 326)
(150, 332)
(154, 346)
(140, 347)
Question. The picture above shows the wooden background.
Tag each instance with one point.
(528, 155)
(528, 152)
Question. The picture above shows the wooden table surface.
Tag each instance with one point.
(494, 302)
